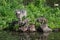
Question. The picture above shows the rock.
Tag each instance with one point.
(23, 29)
(45, 28)
(56, 5)
(56, 30)
(31, 28)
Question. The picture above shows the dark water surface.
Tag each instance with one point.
(29, 36)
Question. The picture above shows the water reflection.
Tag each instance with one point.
(29, 36)
(33, 36)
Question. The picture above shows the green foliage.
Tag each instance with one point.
(34, 10)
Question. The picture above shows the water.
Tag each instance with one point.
(29, 36)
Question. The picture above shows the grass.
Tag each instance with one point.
(34, 9)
